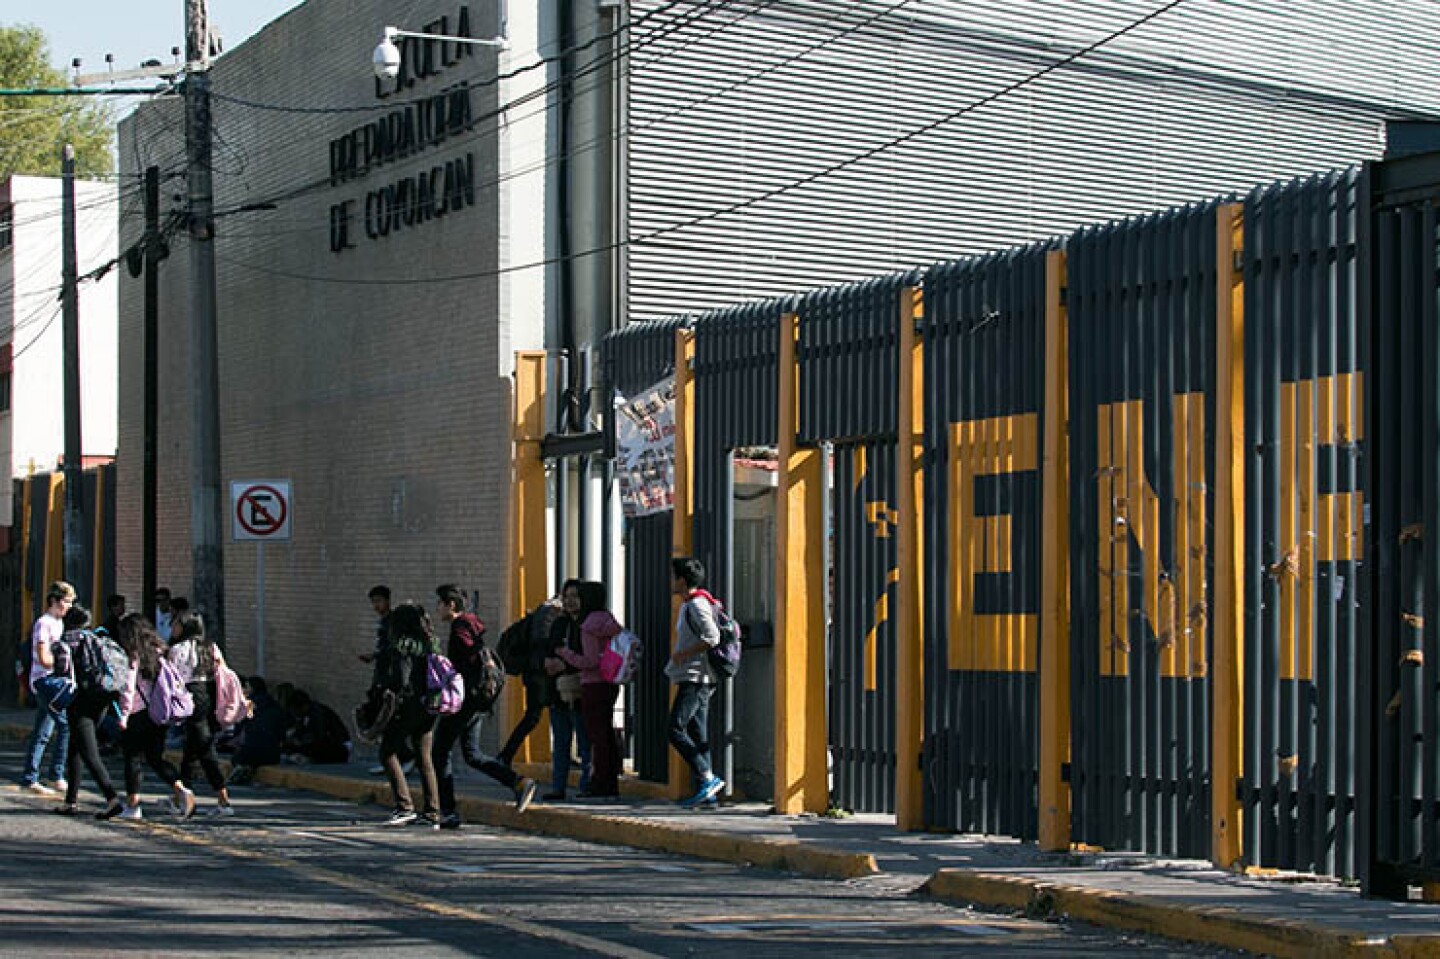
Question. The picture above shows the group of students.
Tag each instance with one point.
(564, 644)
(73, 712)
(560, 668)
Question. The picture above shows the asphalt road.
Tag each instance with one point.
(300, 875)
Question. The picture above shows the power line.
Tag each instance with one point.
(758, 198)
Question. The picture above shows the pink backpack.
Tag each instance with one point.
(170, 702)
(444, 686)
(230, 704)
(621, 658)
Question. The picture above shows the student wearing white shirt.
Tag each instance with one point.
(43, 637)
(163, 616)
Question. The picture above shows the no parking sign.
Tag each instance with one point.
(260, 510)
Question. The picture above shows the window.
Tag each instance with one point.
(7, 232)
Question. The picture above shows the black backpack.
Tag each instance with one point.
(485, 678)
(514, 647)
(99, 664)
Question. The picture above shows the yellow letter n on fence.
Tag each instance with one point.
(984, 544)
(1174, 602)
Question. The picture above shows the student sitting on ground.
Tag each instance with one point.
(318, 735)
(262, 735)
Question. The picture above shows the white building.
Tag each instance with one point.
(32, 408)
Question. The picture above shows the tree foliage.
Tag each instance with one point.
(34, 129)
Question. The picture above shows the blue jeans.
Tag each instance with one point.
(47, 723)
(566, 727)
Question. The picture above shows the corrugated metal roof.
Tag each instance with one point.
(729, 101)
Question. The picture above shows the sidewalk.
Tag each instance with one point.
(1182, 900)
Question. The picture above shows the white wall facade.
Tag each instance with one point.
(32, 432)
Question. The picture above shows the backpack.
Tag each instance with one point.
(170, 702)
(444, 686)
(99, 664)
(724, 656)
(230, 704)
(514, 647)
(486, 679)
(621, 658)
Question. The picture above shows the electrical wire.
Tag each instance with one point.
(764, 196)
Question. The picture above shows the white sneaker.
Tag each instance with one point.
(220, 812)
(40, 789)
(132, 812)
(60, 786)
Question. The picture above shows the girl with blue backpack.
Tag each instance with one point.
(144, 739)
(195, 657)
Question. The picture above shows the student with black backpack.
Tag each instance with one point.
(476, 662)
(81, 653)
(396, 710)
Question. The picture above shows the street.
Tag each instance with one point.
(299, 875)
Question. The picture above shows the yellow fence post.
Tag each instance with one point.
(682, 533)
(1054, 832)
(55, 531)
(800, 551)
(1227, 744)
(528, 585)
(910, 651)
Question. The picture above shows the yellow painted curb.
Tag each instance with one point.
(1210, 925)
(783, 854)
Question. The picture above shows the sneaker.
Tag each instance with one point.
(428, 820)
(186, 808)
(401, 817)
(219, 811)
(409, 768)
(377, 770)
(132, 813)
(67, 809)
(553, 797)
(60, 786)
(450, 821)
(525, 791)
(112, 809)
(39, 789)
(708, 790)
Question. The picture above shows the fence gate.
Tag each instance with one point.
(1141, 300)
(983, 337)
(848, 366)
(1401, 712)
(862, 632)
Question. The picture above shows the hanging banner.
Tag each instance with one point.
(645, 449)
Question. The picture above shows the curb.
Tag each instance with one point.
(1209, 925)
(787, 855)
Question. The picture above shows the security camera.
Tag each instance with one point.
(387, 57)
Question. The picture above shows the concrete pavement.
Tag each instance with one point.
(1189, 901)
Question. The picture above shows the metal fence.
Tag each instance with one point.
(1304, 522)
(1337, 733)
(1400, 689)
(1141, 301)
(848, 356)
(983, 336)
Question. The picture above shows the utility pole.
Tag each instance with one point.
(74, 544)
(152, 388)
(205, 504)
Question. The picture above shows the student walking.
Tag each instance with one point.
(539, 685)
(195, 657)
(87, 709)
(407, 729)
(467, 638)
(597, 697)
(144, 739)
(44, 636)
(696, 632)
(566, 728)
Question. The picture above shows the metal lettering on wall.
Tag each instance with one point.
(405, 132)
